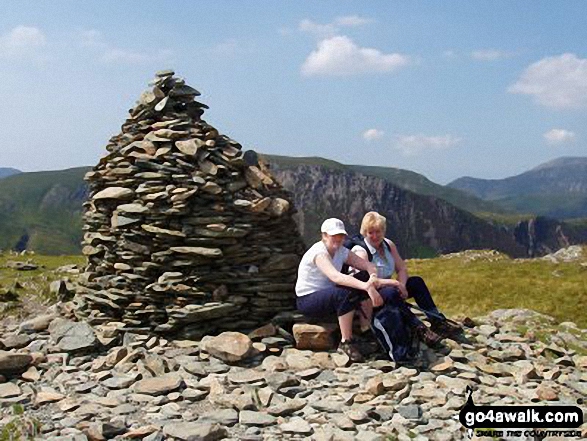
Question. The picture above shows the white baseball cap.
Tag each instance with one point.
(333, 226)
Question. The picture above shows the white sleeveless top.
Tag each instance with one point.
(310, 277)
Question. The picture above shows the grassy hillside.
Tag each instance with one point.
(558, 206)
(473, 283)
(509, 220)
(42, 211)
(24, 293)
(420, 184)
(7, 171)
(578, 222)
(470, 283)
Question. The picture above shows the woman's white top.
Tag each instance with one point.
(310, 277)
(385, 263)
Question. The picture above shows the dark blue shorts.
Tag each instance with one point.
(334, 301)
(331, 302)
(337, 300)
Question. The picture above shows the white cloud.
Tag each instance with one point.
(340, 56)
(23, 42)
(330, 29)
(559, 136)
(312, 27)
(559, 82)
(449, 54)
(352, 21)
(92, 39)
(121, 56)
(227, 48)
(411, 145)
(373, 134)
(109, 54)
(490, 55)
(286, 31)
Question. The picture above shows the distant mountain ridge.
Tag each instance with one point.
(8, 171)
(405, 179)
(42, 210)
(421, 224)
(557, 188)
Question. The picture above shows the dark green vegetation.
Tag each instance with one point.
(556, 189)
(475, 283)
(41, 211)
(552, 205)
(20, 427)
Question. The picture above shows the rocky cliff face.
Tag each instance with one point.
(541, 235)
(420, 225)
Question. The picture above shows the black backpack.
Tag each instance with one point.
(358, 239)
(394, 334)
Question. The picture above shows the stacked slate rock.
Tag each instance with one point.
(184, 233)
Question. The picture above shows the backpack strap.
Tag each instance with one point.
(387, 244)
(350, 243)
(360, 240)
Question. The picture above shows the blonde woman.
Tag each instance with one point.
(383, 253)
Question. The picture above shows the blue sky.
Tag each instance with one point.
(447, 89)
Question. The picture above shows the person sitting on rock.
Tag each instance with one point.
(322, 290)
(374, 247)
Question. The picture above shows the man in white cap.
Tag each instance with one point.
(323, 290)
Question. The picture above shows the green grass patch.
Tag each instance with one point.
(21, 427)
(30, 287)
(471, 283)
(478, 286)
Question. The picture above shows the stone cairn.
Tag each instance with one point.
(184, 233)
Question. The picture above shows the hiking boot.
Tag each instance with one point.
(366, 343)
(350, 348)
(468, 322)
(428, 336)
(445, 328)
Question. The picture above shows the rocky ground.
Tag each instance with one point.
(66, 381)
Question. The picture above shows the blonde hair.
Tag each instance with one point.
(373, 220)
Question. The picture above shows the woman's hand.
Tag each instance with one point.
(376, 298)
(368, 284)
(403, 292)
(375, 280)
